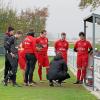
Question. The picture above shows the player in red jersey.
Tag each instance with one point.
(62, 46)
(22, 59)
(29, 45)
(42, 57)
(83, 48)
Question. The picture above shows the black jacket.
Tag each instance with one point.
(10, 44)
(58, 69)
(6, 38)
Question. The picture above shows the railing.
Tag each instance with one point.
(72, 63)
(97, 73)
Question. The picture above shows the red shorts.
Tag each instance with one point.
(82, 61)
(21, 60)
(43, 60)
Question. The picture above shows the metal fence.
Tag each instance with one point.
(72, 64)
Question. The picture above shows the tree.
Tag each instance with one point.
(35, 18)
(85, 3)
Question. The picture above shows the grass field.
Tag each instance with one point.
(42, 91)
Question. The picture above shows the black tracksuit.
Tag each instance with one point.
(10, 46)
(58, 70)
(7, 63)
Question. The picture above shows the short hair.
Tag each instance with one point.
(19, 32)
(43, 31)
(31, 32)
(10, 29)
(63, 33)
(82, 34)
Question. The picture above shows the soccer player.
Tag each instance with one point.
(29, 45)
(83, 48)
(22, 59)
(42, 57)
(62, 46)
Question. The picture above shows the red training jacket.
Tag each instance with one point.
(29, 44)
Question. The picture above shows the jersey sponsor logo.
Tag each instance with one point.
(81, 49)
(62, 49)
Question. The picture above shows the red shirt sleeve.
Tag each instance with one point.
(89, 45)
(76, 45)
(67, 45)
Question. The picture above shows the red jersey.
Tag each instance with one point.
(44, 42)
(61, 46)
(29, 44)
(82, 47)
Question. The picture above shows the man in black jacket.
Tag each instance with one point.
(12, 56)
(8, 34)
(58, 70)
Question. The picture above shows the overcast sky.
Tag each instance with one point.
(64, 15)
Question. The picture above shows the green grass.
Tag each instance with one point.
(42, 91)
(71, 45)
(1, 62)
(98, 46)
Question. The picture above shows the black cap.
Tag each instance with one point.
(10, 29)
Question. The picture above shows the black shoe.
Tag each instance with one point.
(51, 84)
(77, 82)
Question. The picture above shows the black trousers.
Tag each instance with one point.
(61, 76)
(7, 66)
(31, 62)
(14, 65)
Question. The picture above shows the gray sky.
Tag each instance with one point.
(64, 15)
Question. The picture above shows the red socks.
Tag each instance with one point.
(81, 74)
(78, 74)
